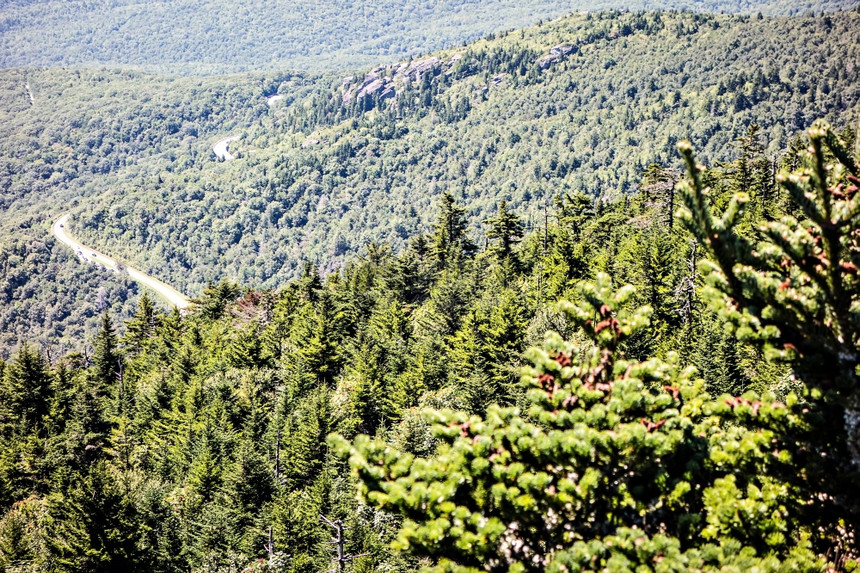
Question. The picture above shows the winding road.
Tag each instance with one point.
(220, 148)
(88, 255)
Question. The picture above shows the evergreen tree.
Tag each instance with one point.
(659, 268)
(574, 212)
(310, 284)
(658, 187)
(315, 334)
(408, 277)
(106, 358)
(624, 463)
(718, 359)
(505, 230)
(449, 242)
(304, 440)
(216, 297)
(248, 349)
(142, 325)
(249, 487)
(25, 391)
(204, 476)
(793, 294)
(95, 527)
(742, 170)
(21, 543)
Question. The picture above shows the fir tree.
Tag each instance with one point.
(574, 212)
(21, 542)
(106, 358)
(216, 297)
(95, 527)
(25, 391)
(315, 333)
(795, 292)
(624, 463)
(449, 242)
(309, 284)
(142, 325)
(658, 187)
(248, 349)
(505, 230)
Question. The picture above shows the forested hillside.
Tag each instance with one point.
(581, 105)
(693, 417)
(62, 132)
(199, 37)
(581, 296)
(584, 104)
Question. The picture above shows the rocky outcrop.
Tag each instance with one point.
(385, 82)
(388, 81)
(378, 87)
(556, 54)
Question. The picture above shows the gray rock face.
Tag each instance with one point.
(556, 54)
(382, 82)
(387, 81)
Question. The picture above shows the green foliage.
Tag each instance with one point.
(693, 407)
(203, 433)
(19, 543)
(449, 240)
(622, 463)
(319, 178)
(505, 230)
(608, 445)
(577, 106)
(142, 326)
(216, 297)
(107, 359)
(26, 385)
(94, 527)
(228, 37)
(797, 291)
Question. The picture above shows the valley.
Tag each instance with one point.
(334, 166)
(441, 287)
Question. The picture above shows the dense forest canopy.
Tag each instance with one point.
(583, 296)
(583, 104)
(81, 126)
(319, 180)
(205, 36)
(677, 413)
(316, 179)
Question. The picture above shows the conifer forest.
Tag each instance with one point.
(443, 287)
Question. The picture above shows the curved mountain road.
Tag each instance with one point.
(220, 148)
(88, 255)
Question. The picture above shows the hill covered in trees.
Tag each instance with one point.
(584, 104)
(196, 36)
(486, 309)
(61, 130)
(503, 118)
(690, 407)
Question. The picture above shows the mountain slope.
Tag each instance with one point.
(82, 126)
(583, 104)
(205, 36)
(510, 118)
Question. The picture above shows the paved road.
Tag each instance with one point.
(220, 148)
(89, 255)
